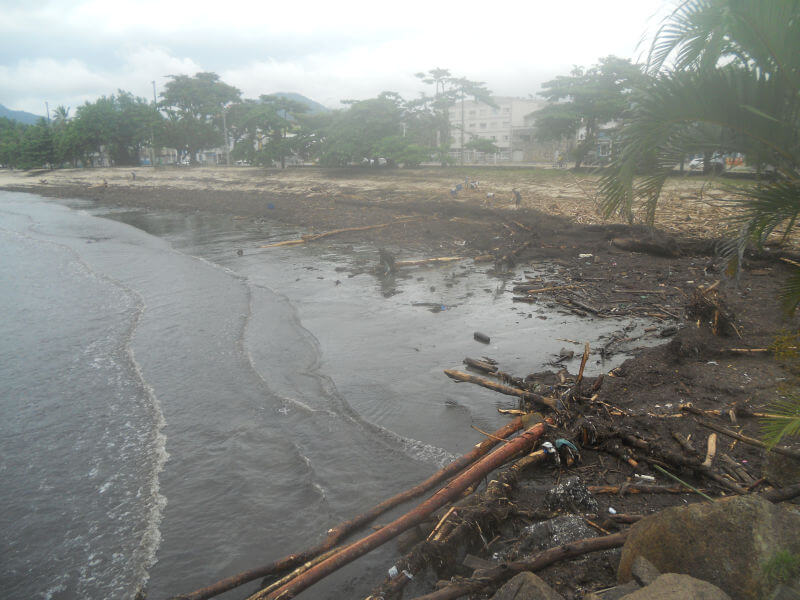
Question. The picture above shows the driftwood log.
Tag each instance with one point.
(447, 494)
(341, 531)
(537, 562)
(503, 389)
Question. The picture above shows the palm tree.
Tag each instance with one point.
(733, 86)
(60, 115)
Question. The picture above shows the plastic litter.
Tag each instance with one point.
(393, 571)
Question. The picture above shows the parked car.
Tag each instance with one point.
(716, 163)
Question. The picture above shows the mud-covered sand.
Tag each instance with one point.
(615, 270)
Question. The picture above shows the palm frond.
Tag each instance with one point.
(790, 294)
(786, 421)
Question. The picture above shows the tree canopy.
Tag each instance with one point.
(194, 108)
(585, 101)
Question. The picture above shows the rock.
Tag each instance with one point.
(643, 571)
(526, 586)
(615, 593)
(553, 532)
(481, 337)
(656, 245)
(784, 592)
(723, 542)
(571, 494)
(678, 587)
(781, 470)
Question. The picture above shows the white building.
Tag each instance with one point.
(505, 125)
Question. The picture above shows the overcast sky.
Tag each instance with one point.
(68, 52)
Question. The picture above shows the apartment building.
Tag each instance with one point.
(508, 125)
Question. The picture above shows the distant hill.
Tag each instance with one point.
(313, 107)
(19, 115)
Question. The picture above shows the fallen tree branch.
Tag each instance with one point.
(318, 236)
(445, 495)
(537, 562)
(483, 508)
(782, 494)
(748, 440)
(503, 389)
(427, 261)
(341, 531)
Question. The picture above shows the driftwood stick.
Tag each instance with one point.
(584, 358)
(341, 531)
(480, 365)
(496, 491)
(531, 291)
(636, 488)
(537, 562)
(445, 495)
(427, 261)
(782, 494)
(748, 440)
(503, 389)
(318, 236)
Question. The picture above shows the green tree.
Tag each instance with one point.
(735, 87)
(117, 127)
(194, 108)
(267, 129)
(11, 134)
(36, 147)
(399, 150)
(448, 90)
(584, 101)
(354, 133)
(482, 145)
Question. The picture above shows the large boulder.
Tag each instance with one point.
(526, 586)
(678, 587)
(724, 542)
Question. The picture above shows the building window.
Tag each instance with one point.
(494, 124)
(472, 113)
(483, 111)
(471, 125)
(505, 138)
(506, 123)
(494, 138)
(506, 110)
(483, 125)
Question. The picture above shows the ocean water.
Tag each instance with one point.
(172, 412)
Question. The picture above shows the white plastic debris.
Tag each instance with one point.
(407, 574)
(612, 510)
(585, 255)
(393, 571)
(645, 477)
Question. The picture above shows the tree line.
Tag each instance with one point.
(195, 113)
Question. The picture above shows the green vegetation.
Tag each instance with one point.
(782, 567)
(586, 100)
(201, 112)
(732, 86)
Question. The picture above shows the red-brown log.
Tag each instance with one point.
(341, 531)
(447, 494)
